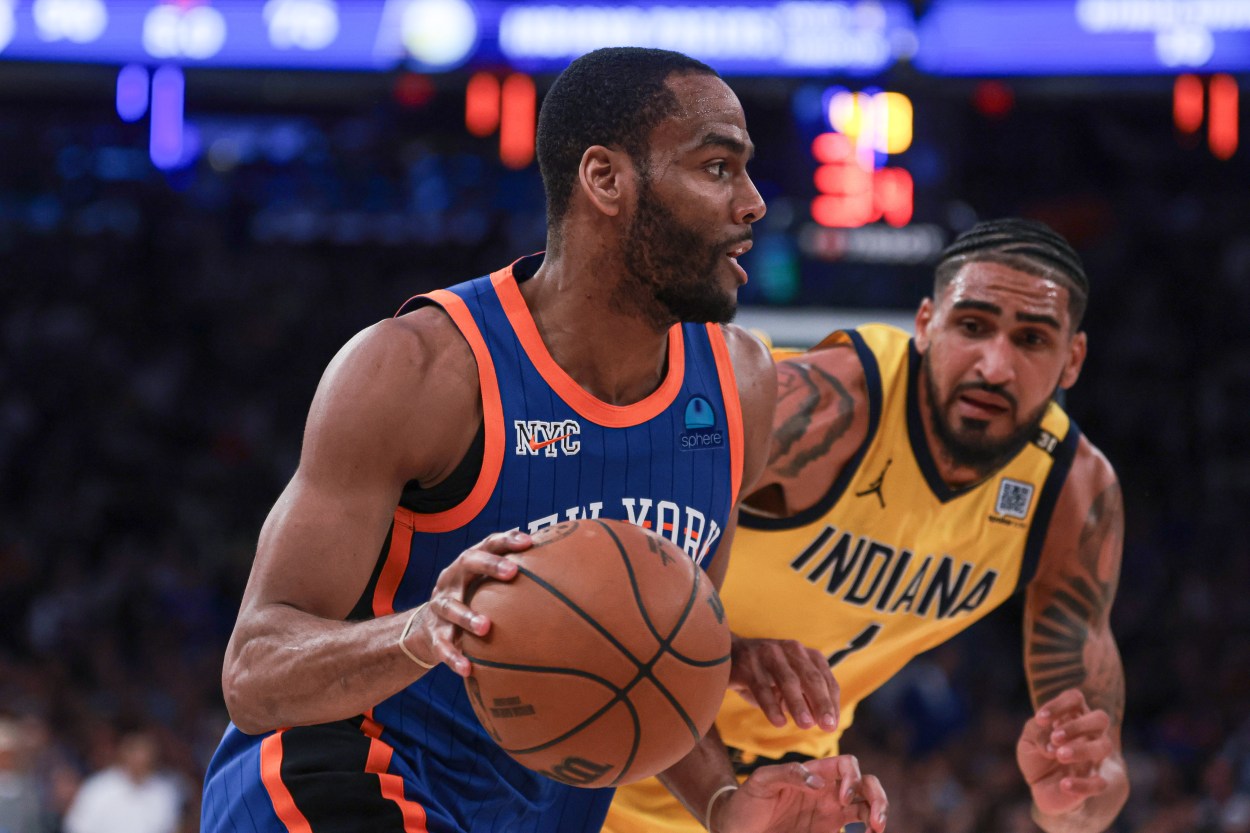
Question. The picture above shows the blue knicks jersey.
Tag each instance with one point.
(420, 760)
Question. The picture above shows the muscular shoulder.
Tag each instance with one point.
(757, 391)
(427, 338)
(1091, 486)
(1086, 531)
(820, 422)
(812, 381)
(753, 368)
(1091, 471)
(404, 389)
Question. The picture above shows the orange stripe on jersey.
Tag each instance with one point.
(378, 763)
(492, 417)
(271, 776)
(395, 565)
(595, 410)
(733, 408)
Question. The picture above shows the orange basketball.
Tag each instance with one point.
(607, 657)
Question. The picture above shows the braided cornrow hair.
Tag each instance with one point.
(1027, 245)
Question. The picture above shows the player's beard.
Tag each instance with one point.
(674, 265)
(969, 445)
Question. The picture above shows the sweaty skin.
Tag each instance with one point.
(400, 402)
(1009, 330)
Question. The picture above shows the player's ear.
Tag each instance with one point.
(924, 317)
(1076, 359)
(604, 177)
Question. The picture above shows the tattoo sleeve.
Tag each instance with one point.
(1068, 633)
(804, 432)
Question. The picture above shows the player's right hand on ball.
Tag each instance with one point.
(450, 613)
(812, 797)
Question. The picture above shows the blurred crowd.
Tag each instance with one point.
(162, 337)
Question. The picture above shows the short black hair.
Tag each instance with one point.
(612, 97)
(1028, 245)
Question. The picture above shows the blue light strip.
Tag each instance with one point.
(798, 38)
(1087, 37)
(168, 90)
(219, 33)
(766, 37)
(778, 38)
(132, 92)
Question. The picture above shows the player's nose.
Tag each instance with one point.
(749, 205)
(996, 363)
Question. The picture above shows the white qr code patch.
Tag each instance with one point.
(1014, 498)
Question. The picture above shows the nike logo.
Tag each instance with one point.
(549, 438)
(535, 446)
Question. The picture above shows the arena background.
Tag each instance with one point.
(176, 274)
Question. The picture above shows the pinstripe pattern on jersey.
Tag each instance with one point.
(423, 750)
(392, 785)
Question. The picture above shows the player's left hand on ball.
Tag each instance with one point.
(783, 676)
(1061, 751)
(812, 797)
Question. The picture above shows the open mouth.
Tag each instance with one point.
(983, 405)
(736, 252)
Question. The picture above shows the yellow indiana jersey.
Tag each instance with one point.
(890, 563)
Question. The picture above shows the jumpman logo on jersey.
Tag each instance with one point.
(874, 488)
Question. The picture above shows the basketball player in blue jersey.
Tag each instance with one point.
(914, 485)
(558, 387)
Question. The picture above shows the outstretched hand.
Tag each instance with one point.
(449, 612)
(812, 797)
(1061, 751)
(782, 676)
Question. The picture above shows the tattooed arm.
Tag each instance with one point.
(820, 422)
(821, 419)
(824, 794)
(1069, 751)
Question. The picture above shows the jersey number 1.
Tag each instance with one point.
(860, 642)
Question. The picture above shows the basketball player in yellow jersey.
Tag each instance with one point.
(913, 486)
